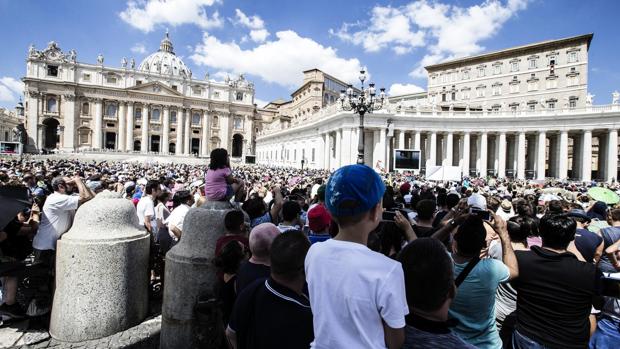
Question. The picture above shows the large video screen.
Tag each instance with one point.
(250, 159)
(406, 159)
(9, 148)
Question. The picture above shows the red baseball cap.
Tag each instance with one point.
(319, 219)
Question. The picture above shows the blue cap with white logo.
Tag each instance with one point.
(352, 190)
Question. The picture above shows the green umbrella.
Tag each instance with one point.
(605, 195)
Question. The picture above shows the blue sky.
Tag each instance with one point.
(273, 41)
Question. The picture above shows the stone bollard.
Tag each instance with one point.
(190, 276)
(101, 272)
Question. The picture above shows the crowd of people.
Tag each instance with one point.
(355, 258)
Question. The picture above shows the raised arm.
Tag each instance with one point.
(277, 205)
(85, 192)
(508, 254)
(611, 252)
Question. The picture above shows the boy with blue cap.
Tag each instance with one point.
(357, 295)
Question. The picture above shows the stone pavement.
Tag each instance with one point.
(21, 335)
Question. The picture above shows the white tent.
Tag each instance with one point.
(443, 173)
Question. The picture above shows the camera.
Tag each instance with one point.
(483, 214)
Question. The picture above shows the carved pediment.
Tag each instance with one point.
(52, 53)
(155, 87)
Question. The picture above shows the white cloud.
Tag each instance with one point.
(446, 31)
(388, 26)
(139, 48)
(10, 89)
(402, 89)
(279, 61)
(258, 33)
(146, 14)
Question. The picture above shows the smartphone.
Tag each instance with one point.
(610, 285)
(483, 214)
(388, 216)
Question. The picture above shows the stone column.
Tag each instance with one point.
(204, 149)
(501, 156)
(144, 139)
(179, 130)
(401, 140)
(338, 157)
(345, 158)
(102, 276)
(432, 159)
(70, 125)
(187, 132)
(130, 127)
(483, 155)
(611, 166)
(32, 120)
(383, 145)
(521, 155)
(466, 151)
(586, 156)
(326, 152)
(563, 155)
(541, 155)
(122, 126)
(449, 149)
(165, 134)
(98, 127)
(416, 140)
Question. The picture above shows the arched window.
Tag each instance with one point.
(239, 96)
(215, 121)
(85, 108)
(110, 110)
(155, 115)
(196, 119)
(136, 145)
(52, 106)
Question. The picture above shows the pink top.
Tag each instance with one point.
(215, 183)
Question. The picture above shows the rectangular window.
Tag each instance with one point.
(480, 72)
(173, 117)
(454, 96)
(138, 82)
(497, 90)
(295, 155)
(514, 66)
(532, 63)
(497, 69)
(52, 70)
(572, 81)
(312, 154)
(196, 91)
(174, 87)
(532, 86)
(111, 79)
(466, 94)
(514, 107)
(551, 105)
(572, 57)
(480, 92)
(531, 106)
(138, 114)
(86, 77)
(216, 94)
(466, 75)
(572, 103)
(443, 97)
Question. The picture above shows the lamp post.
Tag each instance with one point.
(366, 102)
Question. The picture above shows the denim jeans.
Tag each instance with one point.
(520, 341)
(607, 335)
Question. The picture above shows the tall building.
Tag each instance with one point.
(9, 122)
(157, 106)
(546, 126)
(546, 75)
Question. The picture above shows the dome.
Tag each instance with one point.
(165, 61)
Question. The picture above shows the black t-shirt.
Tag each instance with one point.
(586, 243)
(271, 316)
(227, 295)
(250, 272)
(555, 294)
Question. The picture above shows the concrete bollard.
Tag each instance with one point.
(190, 276)
(101, 272)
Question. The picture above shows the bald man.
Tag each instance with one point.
(257, 267)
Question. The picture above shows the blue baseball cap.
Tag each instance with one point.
(352, 190)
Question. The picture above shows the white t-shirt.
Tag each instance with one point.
(145, 208)
(351, 290)
(56, 220)
(314, 190)
(176, 218)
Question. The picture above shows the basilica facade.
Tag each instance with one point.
(156, 106)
